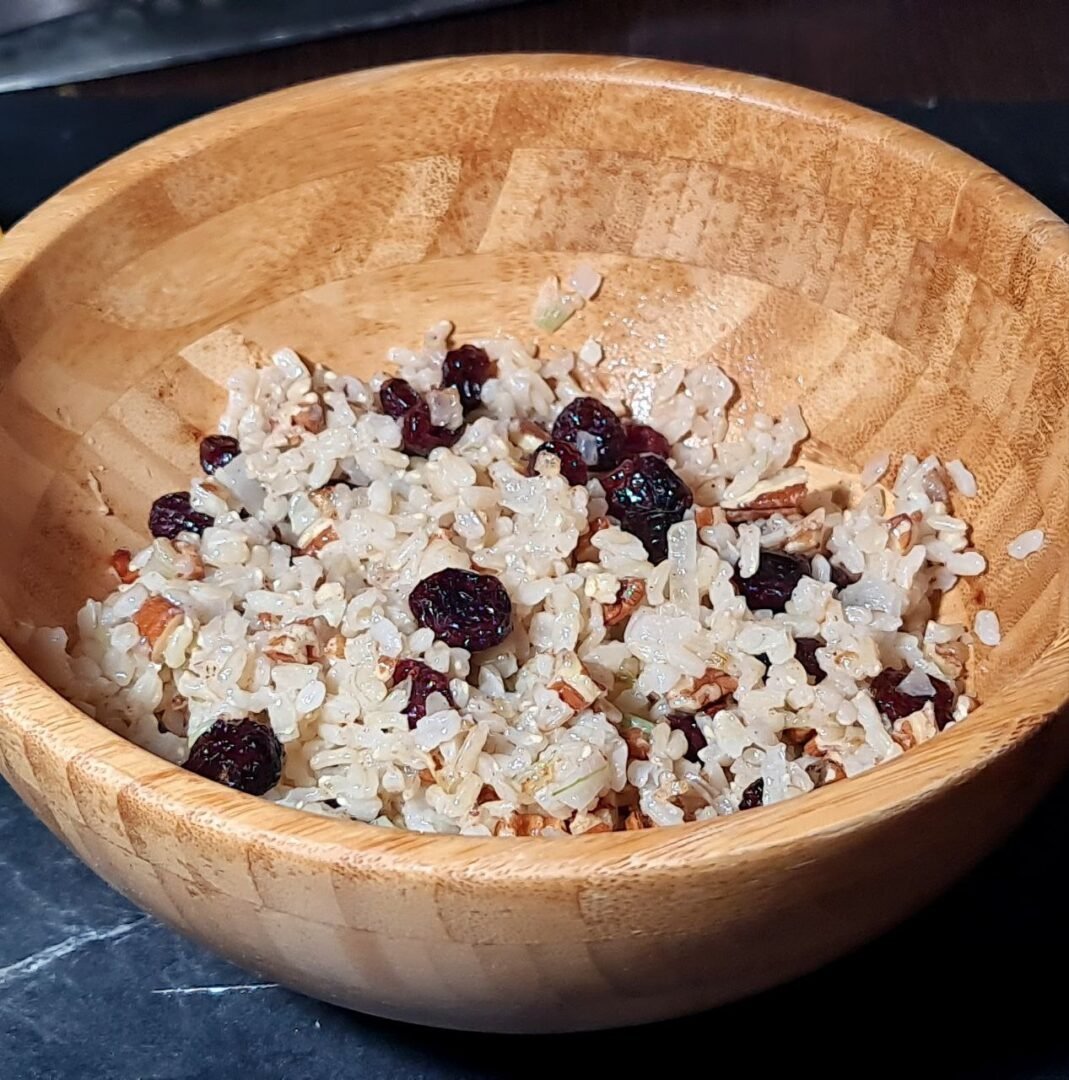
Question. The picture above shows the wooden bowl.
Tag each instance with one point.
(908, 296)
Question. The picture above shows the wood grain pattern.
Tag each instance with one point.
(906, 295)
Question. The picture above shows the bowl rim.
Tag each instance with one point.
(149, 785)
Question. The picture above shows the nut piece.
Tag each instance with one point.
(312, 417)
(192, 563)
(316, 537)
(323, 500)
(636, 820)
(584, 824)
(585, 550)
(902, 531)
(335, 648)
(797, 736)
(120, 563)
(530, 825)
(638, 743)
(632, 593)
(704, 516)
(786, 500)
(573, 684)
(157, 619)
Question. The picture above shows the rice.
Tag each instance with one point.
(1028, 543)
(629, 693)
(963, 480)
(986, 627)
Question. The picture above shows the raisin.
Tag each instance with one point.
(216, 451)
(425, 681)
(172, 514)
(396, 397)
(588, 416)
(753, 795)
(894, 704)
(243, 754)
(464, 609)
(467, 368)
(770, 586)
(689, 726)
(420, 436)
(647, 498)
(572, 466)
(841, 577)
(642, 439)
(805, 652)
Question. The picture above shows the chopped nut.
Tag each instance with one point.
(535, 824)
(636, 820)
(904, 735)
(120, 563)
(704, 516)
(426, 776)
(316, 537)
(901, 533)
(632, 593)
(323, 500)
(584, 824)
(950, 656)
(194, 564)
(797, 736)
(808, 534)
(157, 619)
(569, 695)
(638, 744)
(486, 794)
(335, 648)
(585, 550)
(787, 500)
(312, 417)
(528, 435)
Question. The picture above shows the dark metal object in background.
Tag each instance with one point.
(39, 47)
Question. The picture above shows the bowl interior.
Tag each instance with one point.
(908, 299)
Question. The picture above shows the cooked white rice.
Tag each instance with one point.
(1028, 543)
(298, 612)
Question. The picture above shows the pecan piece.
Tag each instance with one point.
(787, 500)
(312, 417)
(316, 537)
(585, 550)
(156, 620)
(632, 593)
(120, 563)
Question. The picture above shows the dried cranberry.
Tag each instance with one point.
(242, 754)
(771, 584)
(647, 498)
(464, 609)
(894, 704)
(467, 368)
(841, 577)
(805, 652)
(172, 514)
(420, 436)
(753, 795)
(689, 726)
(425, 681)
(642, 439)
(572, 466)
(217, 451)
(588, 416)
(396, 397)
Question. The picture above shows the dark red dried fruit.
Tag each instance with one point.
(588, 415)
(805, 652)
(841, 577)
(396, 397)
(753, 795)
(647, 498)
(242, 754)
(420, 436)
(689, 726)
(172, 514)
(464, 609)
(894, 704)
(425, 681)
(642, 439)
(216, 451)
(467, 368)
(771, 584)
(572, 466)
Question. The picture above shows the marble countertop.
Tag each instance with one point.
(92, 988)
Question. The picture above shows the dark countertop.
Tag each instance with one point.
(90, 987)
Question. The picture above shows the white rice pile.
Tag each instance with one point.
(297, 613)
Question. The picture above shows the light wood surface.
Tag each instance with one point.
(907, 296)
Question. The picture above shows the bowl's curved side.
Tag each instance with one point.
(741, 218)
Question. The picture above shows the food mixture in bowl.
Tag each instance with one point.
(488, 595)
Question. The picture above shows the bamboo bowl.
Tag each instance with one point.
(906, 295)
